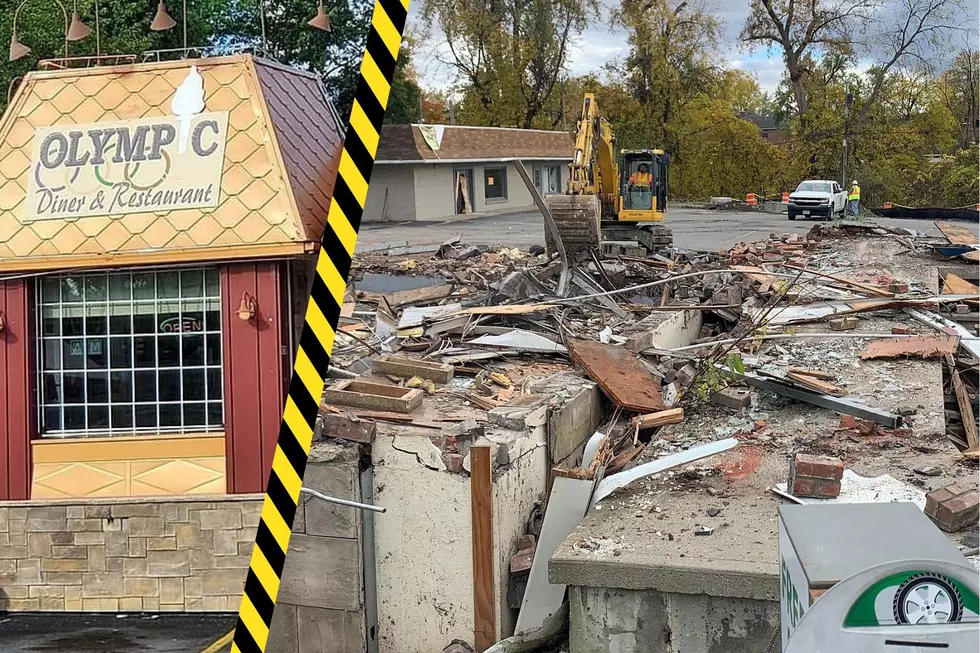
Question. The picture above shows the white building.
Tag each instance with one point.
(433, 172)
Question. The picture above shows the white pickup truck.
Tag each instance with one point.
(817, 198)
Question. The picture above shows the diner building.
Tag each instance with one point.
(158, 229)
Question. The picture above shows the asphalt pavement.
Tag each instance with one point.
(693, 229)
(25, 632)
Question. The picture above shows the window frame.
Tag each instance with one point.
(211, 330)
(502, 177)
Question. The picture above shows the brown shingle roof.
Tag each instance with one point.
(308, 136)
(405, 143)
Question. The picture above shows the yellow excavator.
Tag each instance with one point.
(609, 205)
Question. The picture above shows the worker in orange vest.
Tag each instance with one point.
(641, 177)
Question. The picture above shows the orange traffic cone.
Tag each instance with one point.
(751, 200)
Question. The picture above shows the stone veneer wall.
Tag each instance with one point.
(153, 554)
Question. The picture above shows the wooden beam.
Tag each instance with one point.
(661, 418)
(484, 614)
(966, 408)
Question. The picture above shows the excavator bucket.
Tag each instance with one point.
(578, 220)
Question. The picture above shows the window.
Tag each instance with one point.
(130, 352)
(495, 183)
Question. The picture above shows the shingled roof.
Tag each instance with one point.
(281, 153)
(405, 144)
(310, 138)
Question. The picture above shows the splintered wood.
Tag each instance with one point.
(620, 375)
(915, 347)
(965, 406)
(663, 418)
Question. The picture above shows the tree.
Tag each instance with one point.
(672, 57)
(219, 26)
(509, 54)
(800, 30)
(959, 90)
(918, 25)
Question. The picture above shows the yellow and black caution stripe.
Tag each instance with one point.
(322, 314)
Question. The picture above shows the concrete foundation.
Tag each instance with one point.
(610, 620)
(424, 541)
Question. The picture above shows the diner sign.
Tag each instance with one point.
(146, 165)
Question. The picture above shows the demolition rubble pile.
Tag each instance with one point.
(694, 352)
(480, 325)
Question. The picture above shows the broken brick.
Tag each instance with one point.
(815, 476)
(818, 466)
(845, 323)
(817, 488)
(901, 330)
(954, 507)
(453, 462)
(898, 288)
(732, 398)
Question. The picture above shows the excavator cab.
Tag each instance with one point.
(643, 192)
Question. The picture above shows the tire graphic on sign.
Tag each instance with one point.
(927, 599)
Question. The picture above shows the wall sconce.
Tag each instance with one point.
(3, 322)
(246, 308)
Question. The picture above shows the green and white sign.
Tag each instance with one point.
(914, 598)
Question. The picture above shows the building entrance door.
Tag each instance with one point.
(463, 190)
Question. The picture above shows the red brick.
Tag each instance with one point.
(898, 288)
(849, 422)
(901, 330)
(817, 488)
(818, 466)
(453, 462)
(953, 507)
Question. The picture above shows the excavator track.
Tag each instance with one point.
(577, 218)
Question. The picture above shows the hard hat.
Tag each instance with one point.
(855, 182)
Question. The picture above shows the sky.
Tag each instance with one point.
(602, 43)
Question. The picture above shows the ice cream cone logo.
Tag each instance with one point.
(188, 101)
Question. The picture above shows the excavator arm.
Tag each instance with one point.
(593, 192)
(593, 170)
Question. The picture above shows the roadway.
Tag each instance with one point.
(22, 632)
(693, 228)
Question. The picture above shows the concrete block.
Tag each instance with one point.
(677, 329)
(846, 323)
(732, 398)
(405, 367)
(329, 630)
(373, 396)
(329, 519)
(954, 507)
(282, 631)
(321, 572)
